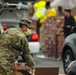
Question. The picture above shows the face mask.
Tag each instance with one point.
(29, 31)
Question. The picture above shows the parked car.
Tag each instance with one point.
(69, 49)
(72, 68)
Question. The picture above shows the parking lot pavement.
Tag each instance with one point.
(41, 61)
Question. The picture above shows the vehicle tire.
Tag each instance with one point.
(67, 59)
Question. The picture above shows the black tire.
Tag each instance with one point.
(67, 59)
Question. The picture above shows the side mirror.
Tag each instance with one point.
(74, 29)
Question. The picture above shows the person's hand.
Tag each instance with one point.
(33, 71)
(62, 25)
(68, 26)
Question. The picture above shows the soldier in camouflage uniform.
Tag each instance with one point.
(12, 42)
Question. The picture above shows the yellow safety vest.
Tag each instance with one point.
(39, 6)
(49, 13)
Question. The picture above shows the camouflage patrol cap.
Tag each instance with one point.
(26, 22)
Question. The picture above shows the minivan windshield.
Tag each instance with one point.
(18, 0)
(14, 14)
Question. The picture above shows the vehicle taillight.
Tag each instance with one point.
(35, 37)
(4, 27)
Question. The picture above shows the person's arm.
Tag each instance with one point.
(27, 53)
(72, 22)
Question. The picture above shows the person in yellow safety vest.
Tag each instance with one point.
(39, 11)
(51, 12)
(39, 8)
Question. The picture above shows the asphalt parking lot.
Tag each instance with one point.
(41, 61)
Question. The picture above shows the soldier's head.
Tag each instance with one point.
(25, 24)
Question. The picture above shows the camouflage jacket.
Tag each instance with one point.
(14, 39)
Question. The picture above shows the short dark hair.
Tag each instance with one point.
(48, 3)
(60, 8)
(67, 10)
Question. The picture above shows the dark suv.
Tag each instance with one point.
(69, 49)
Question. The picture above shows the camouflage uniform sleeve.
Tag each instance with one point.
(27, 53)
